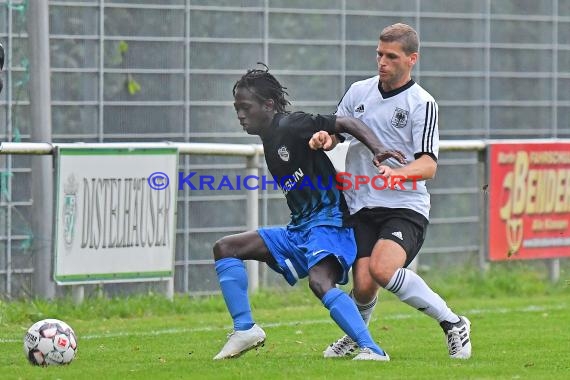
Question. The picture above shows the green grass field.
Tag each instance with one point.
(520, 330)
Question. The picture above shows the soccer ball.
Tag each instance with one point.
(49, 342)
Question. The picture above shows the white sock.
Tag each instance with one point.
(411, 289)
(365, 309)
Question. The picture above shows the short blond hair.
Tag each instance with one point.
(404, 34)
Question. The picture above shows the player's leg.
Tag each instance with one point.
(278, 247)
(365, 290)
(388, 264)
(364, 294)
(342, 309)
(229, 253)
(329, 262)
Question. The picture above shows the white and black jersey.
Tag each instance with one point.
(404, 119)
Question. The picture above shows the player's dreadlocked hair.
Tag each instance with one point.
(264, 86)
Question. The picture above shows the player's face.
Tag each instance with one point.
(253, 115)
(394, 66)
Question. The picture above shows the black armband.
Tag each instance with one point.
(418, 155)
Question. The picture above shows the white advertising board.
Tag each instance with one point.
(112, 224)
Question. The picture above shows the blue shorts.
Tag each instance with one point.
(296, 251)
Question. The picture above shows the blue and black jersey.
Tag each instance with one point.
(306, 177)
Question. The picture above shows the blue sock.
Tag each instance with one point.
(344, 312)
(233, 282)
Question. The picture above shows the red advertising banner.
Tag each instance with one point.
(529, 201)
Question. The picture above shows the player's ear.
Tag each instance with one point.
(414, 58)
(268, 105)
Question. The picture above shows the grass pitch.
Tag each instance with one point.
(524, 335)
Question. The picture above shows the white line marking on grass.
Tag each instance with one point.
(526, 309)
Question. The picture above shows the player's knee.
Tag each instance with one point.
(365, 288)
(365, 293)
(381, 275)
(319, 287)
(221, 249)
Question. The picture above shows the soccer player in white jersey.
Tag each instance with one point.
(390, 224)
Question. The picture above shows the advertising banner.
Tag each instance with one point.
(529, 199)
(111, 222)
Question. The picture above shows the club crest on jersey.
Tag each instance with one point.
(283, 153)
(400, 118)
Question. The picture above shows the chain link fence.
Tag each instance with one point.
(150, 70)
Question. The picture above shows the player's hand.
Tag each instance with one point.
(391, 175)
(386, 154)
(321, 140)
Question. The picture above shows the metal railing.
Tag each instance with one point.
(252, 197)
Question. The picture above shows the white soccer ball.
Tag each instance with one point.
(49, 342)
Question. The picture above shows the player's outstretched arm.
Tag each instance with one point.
(355, 127)
(421, 169)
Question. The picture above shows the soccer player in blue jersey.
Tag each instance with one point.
(390, 224)
(316, 243)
